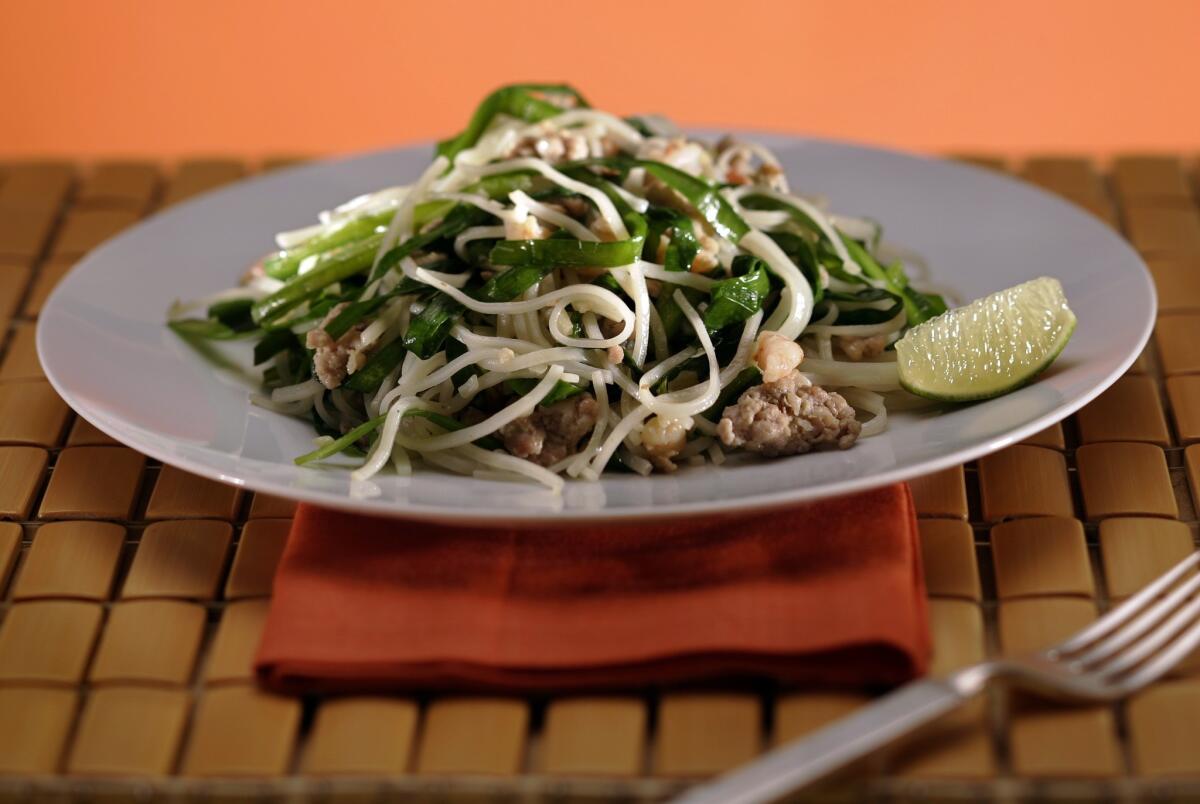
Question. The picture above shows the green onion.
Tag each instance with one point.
(671, 314)
(702, 196)
(378, 366)
(283, 264)
(332, 266)
(209, 329)
(451, 425)
(457, 219)
(918, 306)
(745, 379)
(428, 329)
(349, 439)
(274, 342)
(866, 315)
(560, 391)
(234, 313)
(737, 298)
(515, 100)
(351, 314)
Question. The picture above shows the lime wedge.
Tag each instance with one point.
(989, 347)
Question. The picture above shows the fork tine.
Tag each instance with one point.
(1163, 662)
(1159, 637)
(1126, 610)
(1143, 623)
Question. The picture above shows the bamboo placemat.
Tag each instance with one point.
(133, 594)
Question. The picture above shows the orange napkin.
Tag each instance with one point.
(830, 592)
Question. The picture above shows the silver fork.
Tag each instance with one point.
(1122, 652)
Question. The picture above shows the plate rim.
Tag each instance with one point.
(518, 517)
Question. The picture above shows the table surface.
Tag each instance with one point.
(132, 594)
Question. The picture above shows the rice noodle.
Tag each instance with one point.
(601, 299)
(551, 215)
(653, 270)
(614, 439)
(745, 349)
(893, 324)
(604, 204)
(689, 401)
(796, 302)
(522, 407)
(298, 392)
(400, 227)
(656, 373)
(327, 417)
(870, 376)
(514, 465)
(872, 403)
(475, 233)
(629, 136)
(635, 286)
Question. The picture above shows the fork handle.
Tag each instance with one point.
(799, 763)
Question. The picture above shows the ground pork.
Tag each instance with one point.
(610, 327)
(556, 145)
(553, 432)
(741, 171)
(678, 152)
(856, 348)
(788, 417)
(334, 360)
(706, 258)
(528, 228)
(573, 205)
(660, 193)
(585, 213)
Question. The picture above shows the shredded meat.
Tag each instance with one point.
(551, 433)
(776, 356)
(556, 145)
(335, 360)
(663, 439)
(862, 348)
(788, 417)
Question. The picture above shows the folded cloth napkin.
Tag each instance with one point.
(829, 592)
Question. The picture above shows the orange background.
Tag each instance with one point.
(173, 77)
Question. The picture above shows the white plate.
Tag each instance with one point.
(104, 346)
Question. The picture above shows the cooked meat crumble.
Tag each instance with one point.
(856, 348)
(789, 416)
(557, 145)
(553, 432)
(336, 360)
